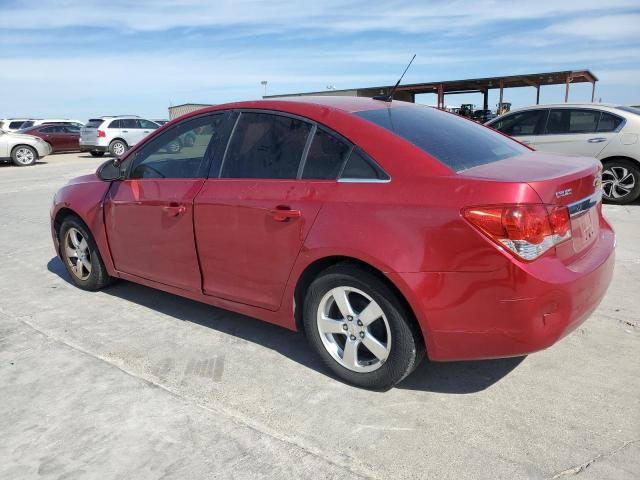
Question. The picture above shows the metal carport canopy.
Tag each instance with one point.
(473, 85)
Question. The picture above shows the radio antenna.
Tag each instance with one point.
(388, 97)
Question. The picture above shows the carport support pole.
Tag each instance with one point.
(566, 90)
(593, 91)
(537, 94)
(501, 92)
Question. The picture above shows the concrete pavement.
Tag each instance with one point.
(135, 383)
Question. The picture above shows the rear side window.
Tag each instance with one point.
(520, 123)
(326, 156)
(115, 124)
(458, 143)
(265, 145)
(360, 167)
(608, 122)
(566, 120)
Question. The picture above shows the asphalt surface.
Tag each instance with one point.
(135, 383)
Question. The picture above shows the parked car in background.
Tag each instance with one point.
(22, 150)
(379, 229)
(61, 137)
(114, 134)
(483, 116)
(610, 133)
(160, 122)
(45, 121)
(12, 124)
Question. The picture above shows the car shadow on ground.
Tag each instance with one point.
(452, 377)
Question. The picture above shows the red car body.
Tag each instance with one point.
(61, 137)
(220, 241)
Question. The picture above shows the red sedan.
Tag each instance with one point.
(61, 137)
(382, 230)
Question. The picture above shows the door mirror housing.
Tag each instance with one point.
(110, 170)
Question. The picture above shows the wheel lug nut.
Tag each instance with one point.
(349, 317)
(344, 327)
(361, 334)
(352, 337)
(360, 323)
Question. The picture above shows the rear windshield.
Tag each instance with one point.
(94, 123)
(458, 143)
(635, 110)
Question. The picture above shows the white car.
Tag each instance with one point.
(44, 121)
(610, 133)
(12, 124)
(114, 134)
(23, 150)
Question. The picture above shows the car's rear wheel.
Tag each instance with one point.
(81, 256)
(360, 328)
(621, 181)
(117, 148)
(24, 155)
(96, 154)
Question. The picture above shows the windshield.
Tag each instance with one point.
(457, 142)
(94, 123)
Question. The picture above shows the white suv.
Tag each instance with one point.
(610, 133)
(114, 134)
(12, 124)
(46, 121)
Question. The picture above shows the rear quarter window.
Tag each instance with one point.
(458, 143)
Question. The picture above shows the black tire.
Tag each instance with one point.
(616, 169)
(24, 155)
(98, 277)
(118, 146)
(96, 154)
(406, 346)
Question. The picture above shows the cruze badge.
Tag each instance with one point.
(564, 193)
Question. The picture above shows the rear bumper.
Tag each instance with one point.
(93, 148)
(508, 312)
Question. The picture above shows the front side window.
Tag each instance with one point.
(147, 125)
(265, 145)
(567, 121)
(454, 141)
(326, 156)
(520, 123)
(180, 152)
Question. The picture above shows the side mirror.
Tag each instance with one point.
(110, 170)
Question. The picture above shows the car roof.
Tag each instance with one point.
(568, 105)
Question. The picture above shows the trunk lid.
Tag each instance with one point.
(573, 182)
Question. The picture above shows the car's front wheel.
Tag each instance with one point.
(360, 328)
(81, 256)
(24, 155)
(621, 181)
(117, 148)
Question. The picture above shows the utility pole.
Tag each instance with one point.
(264, 84)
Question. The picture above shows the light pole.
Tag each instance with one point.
(264, 84)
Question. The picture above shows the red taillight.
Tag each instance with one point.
(102, 133)
(526, 230)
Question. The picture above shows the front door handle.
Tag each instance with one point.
(174, 209)
(597, 140)
(125, 131)
(283, 213)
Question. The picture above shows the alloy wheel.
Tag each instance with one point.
(77, 253)
(354, 329)
(617, 182)
(25, 156)
(118, 148)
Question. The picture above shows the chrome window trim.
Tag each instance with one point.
(363, 180)
(581, 206)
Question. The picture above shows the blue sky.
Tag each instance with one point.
(79, 59)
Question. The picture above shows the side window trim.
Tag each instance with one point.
(305, 151)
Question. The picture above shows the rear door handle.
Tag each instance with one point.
(174, 209)
(597, 140)
(282, 213)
